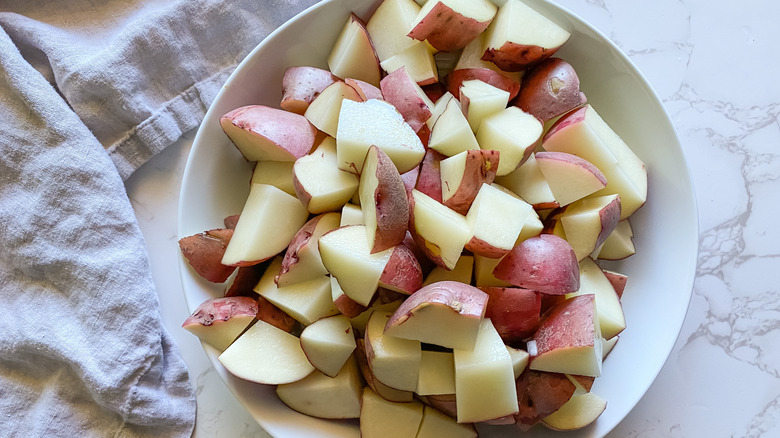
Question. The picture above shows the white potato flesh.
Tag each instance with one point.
(374, 122)
(435, 424)
(326, 397)
(385, 419)
(493, 217)
(389, 25)
(587, 135)
(269, 220)
(484, 100)
(610, 311)
(323, 111)
(328, 343)
(517, 23)
(437, 373)
(276, 173)
(268, 355)
(619, 243)
(580, 411)
(585, 220)
(394, 361)
(484, 378)
(445, 231)
(451, 134)
(321, 182)
(347, 256)
(353, 54)
(418, 61)
(351, 214)
(511, 132)
(462, 272)
(528, 182)
(306, 301)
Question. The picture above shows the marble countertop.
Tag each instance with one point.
(712, 62)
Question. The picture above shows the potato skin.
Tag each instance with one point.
(221, 309)
(447, 30)
(539, 394)
(515, 312)
(392, 205)
(204, 252)
(268, 312)
(429, 179)
(301, 85)
(457, 77)
(481, 166)
(403, 273)
(464, 299)
(517, 57)
(550, 89)
(544, 263)
(246, 279)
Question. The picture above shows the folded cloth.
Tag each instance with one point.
(89, 91)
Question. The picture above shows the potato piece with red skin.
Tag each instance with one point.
(445, 403)
(539, 394)
(429, 179)
(346, 305)
(268, 312)
(245, 280)
(439, 232)
(231, 221)
(545, 263)
(353, 54)
(569, 177)
(383, 199)
(364, 89)
(402, 273)
(617, 280)
(445, 313)
(386, 392)
(515, 312)
(456, 78)
(264, 133)
(568, 339)
(300, 85)
(550, 89)
(302, 260)
(450, 25)
(407, 97)
(520, 37)
(463, 175)
(204, 253)
(219, 321)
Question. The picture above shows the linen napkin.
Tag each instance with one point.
(89, 91)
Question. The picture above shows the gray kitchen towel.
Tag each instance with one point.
(89, 91)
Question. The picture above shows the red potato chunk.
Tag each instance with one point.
(545, 263)
(204, 252)
(550, 89)
(301, 85)
(539, 394)
(515, 312)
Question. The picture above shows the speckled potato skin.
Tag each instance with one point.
(550, 89)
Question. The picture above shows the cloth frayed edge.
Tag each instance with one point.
(165, 126)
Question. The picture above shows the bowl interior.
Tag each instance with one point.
(215, 185)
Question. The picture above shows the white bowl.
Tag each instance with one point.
(661, 274)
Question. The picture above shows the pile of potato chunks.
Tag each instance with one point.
(419, 242)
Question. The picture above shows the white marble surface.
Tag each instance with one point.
(713, 63)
